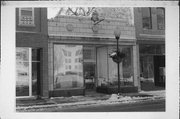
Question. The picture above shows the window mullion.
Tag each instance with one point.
(30, 72)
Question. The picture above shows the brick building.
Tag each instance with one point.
(150, 34)
(31, 52)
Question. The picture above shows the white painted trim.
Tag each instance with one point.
(30, 72)
(152, 36)
(23, 97)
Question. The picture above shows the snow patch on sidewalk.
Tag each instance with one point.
(115, 97)
(88, 101)
(159, 93)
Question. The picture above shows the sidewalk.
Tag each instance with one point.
(91, 98)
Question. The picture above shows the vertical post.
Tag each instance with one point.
(117, 38)
(136, 73)
(30, 72)
(39, 51)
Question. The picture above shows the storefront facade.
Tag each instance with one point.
(78, 55)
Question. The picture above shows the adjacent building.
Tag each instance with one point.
(31, 52)
(150, 34)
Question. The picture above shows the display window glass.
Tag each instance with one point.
(68, 74)
(147, 53)
(27, 71)
(107, 69)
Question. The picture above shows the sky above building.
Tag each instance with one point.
(125, 13)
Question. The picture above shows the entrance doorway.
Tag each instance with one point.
(159, 70)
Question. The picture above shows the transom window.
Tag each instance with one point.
(26, 16)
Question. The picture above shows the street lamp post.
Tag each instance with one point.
(117, 56)
(117, 34)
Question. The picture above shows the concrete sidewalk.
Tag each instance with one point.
(91, 98)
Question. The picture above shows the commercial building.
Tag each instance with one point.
(150, 34)
(31, 52)
(79, 55)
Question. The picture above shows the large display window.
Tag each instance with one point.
(27, 71)
(147, 53)
(107, 69)
(68, 66)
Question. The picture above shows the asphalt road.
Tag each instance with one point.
(153, 106)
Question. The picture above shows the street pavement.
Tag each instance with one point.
(95, 100)
(148, 106)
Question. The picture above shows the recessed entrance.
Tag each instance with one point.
(159, 70)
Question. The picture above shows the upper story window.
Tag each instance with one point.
(146, 18)
(26, 16)
(161, 18)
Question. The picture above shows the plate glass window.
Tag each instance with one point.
(27, 71)
(146, 18)
(161, 18)
(68, 70)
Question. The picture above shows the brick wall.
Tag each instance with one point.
(36, 37)
(153, 33)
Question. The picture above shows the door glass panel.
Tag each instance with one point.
(68, 68)
(35, 54)
(89, 74)
(22, 72)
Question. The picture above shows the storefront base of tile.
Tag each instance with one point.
(67, 92)
(111, 90)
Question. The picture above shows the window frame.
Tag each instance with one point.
(33, 17)
(30, 61)
(150, 17)
(162, 8)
